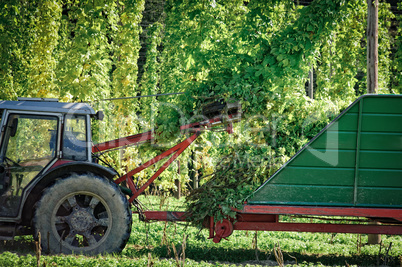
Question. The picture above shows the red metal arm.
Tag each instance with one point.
(128, 140)
(176, 151)
(229, 119)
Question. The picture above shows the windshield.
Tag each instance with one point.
(29, 145)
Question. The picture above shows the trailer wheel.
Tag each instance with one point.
(83, 214)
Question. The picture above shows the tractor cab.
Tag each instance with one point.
(36, 136)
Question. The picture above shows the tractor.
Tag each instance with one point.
(49, 183)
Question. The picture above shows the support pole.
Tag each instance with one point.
(372, 46)
(372, 67)
(177, 193)
(311, 83)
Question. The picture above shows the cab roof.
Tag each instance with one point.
(47, 105)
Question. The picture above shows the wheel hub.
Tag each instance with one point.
(81, 220)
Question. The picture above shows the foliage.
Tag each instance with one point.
(396, 75)
(342, 57)
(27, 44)
(235, 178)
(273, 65)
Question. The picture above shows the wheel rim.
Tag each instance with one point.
(81, 221)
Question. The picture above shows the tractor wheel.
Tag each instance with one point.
(83, 214)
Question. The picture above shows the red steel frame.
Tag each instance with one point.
(251, 217)
(266, 218)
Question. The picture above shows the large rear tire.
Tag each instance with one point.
(83, 214)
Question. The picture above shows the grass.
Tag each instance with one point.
(152, 244)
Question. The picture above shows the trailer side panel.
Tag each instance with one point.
(355, 161)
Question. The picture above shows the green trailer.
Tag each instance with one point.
(352, 169)
(356, 161)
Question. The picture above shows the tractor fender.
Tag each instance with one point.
(50, 177)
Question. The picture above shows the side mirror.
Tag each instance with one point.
(99, 115)
(14, 126)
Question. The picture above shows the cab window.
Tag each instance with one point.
(75, 145)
